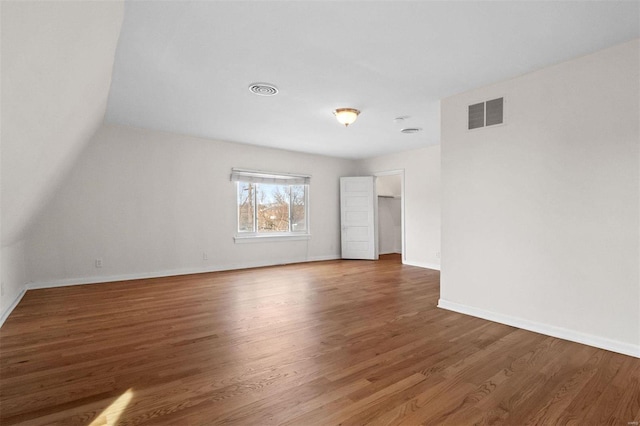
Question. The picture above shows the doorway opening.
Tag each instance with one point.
(390, 213)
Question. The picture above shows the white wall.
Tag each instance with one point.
(150, 203)
(389, 191)
(389, 225)
(540, 215)
(389, 185)
(13, 276)
(56, 62)
(422, 200)
(57, 59)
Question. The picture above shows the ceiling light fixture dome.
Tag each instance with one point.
(346, 116)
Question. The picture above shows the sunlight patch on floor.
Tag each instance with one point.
(112, 413)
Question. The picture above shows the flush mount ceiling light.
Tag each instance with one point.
(263, 89)
(346, 116)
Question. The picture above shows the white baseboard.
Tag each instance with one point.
(546, 329)
(5, 314)
(422, 265)
(168, 273)
(323, 258)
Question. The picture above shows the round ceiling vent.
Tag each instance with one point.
(411, 130)
(263, 89)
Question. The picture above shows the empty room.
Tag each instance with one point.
(320, 212)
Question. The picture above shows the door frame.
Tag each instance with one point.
(402, 209)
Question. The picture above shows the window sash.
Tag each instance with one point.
(262, 209)
(254, 201)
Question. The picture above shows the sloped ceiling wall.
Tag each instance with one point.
(57, 61)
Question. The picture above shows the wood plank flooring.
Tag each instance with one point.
(337, 342)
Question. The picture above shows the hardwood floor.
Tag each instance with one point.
(338, 342)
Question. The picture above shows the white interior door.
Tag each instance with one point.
(357, 217)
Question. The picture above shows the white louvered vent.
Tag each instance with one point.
(483, 114)
(263, 89)
(409, 130)
(476, 116)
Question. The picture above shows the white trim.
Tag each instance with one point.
(168, 273)
(549, 330)
(253, 238)
(323, 258)
(12, 306)
(434, 266)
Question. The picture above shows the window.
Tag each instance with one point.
(271, 204)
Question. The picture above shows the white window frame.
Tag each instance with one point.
(239, 176)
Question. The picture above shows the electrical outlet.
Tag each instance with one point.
(438, 254)
(205, 256)
(99, 262)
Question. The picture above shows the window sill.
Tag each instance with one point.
(243, 239)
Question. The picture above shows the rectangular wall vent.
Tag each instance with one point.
(489, 113)
(476, 116)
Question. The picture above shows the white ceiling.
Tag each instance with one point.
(184, 67)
